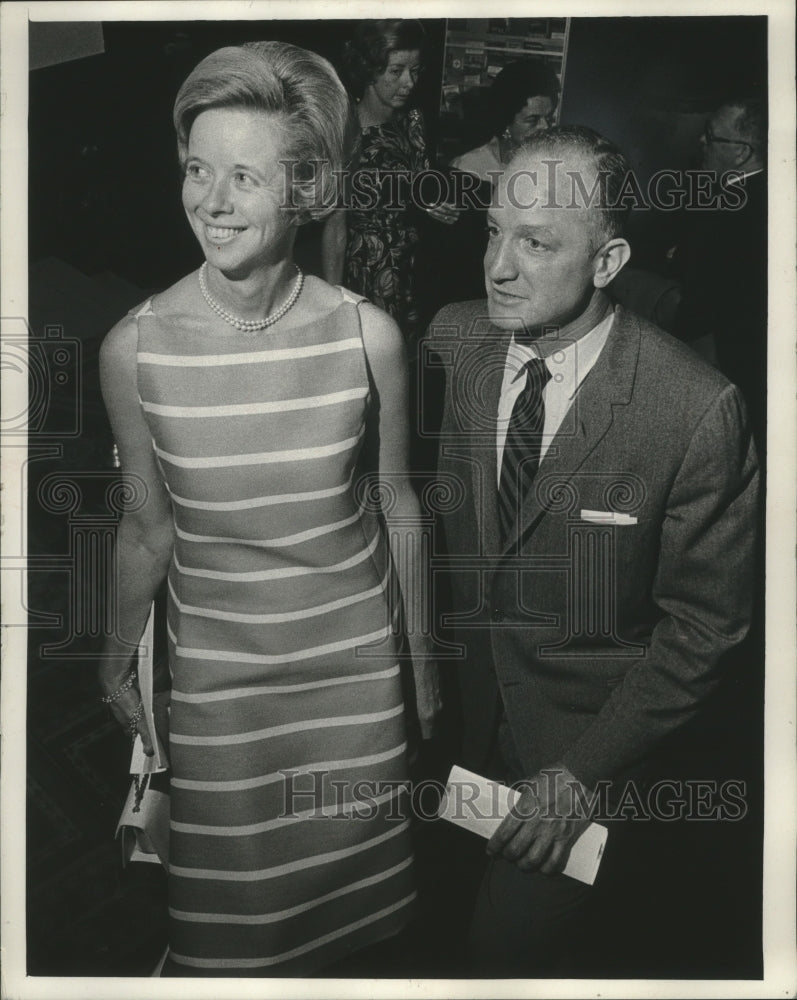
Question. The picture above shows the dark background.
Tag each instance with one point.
(106, 228)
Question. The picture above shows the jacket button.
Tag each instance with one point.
(498, 615)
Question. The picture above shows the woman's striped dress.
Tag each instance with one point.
(289, 838)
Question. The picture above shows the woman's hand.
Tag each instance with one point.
(445, 213)
(127, 709)
(427, 696)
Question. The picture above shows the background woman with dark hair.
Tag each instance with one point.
(370, 243)
(522, 100)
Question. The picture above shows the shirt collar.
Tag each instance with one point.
(568, 364)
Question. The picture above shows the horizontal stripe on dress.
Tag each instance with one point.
(275, 917)
(276, 618)
(254, 963)
(251, 409)
(259, 457)
(280, 574)
(266, 501)
(249, 357)
(277, 871)
(233, 656)
(265, 543)
(350, 809)
(254, 735)
(248, 692)
(244, 784)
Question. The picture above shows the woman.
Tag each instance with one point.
(371, 243)
(522, 100)
(249, 401)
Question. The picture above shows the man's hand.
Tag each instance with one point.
(547, 819)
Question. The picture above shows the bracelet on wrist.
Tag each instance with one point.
(124, 687)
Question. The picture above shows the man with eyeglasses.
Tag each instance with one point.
(721, 257)
(734, 138)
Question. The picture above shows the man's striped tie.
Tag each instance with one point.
(523, 443)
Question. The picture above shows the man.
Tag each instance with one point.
(721, 257)
(602, 552)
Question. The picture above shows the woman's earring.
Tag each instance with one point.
(506, 134)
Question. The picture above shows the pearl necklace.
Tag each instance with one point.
(250, 325)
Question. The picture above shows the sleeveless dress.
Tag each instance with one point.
(289, 837)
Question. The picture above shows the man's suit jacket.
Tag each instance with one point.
(601, 640)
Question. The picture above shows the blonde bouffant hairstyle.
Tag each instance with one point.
(298, 86)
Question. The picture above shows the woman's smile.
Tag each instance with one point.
(223, 234)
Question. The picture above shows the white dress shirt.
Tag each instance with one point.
(569, 365)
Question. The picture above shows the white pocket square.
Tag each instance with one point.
(606, 517)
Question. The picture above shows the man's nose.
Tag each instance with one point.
(500, 263)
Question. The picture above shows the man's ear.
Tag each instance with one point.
(610, 260)
(743, 157)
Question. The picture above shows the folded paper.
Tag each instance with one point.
(480, 805)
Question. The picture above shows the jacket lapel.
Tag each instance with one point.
(609, 384)
(489, 363)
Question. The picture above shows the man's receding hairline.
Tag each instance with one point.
(564, 158)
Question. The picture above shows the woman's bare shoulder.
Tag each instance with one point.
(382, 338)
(121, 341)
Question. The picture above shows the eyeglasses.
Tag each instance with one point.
(534, 121)
(709, 136)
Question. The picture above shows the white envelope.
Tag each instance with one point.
(479, 805)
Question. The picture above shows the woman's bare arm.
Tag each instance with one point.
(145, 537)
(387, 361)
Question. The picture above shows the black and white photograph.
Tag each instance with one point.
(398, 471)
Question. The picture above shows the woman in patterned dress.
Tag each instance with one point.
(370, 243)
(255, 410)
